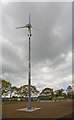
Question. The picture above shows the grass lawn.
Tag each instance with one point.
(11, 102)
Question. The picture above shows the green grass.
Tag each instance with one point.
(12, 102)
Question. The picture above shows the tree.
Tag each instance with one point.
(47, 92)
(5, 87)
(8, 91)
(24, 90)
(34, 91)
(69, 91)
(14, 91)
(59, 92)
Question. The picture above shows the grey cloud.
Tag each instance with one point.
(55, 39)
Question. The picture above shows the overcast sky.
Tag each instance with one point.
(51, 48)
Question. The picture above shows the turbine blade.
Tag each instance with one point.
(30, 18)
(20, 27)
(36, 29)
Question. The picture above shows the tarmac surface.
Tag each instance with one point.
(69, 116)
(59, 109)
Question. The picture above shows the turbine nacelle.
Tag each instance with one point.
(29, 26)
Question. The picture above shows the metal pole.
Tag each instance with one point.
(29, 78)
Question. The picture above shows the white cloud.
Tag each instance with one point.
(51, 49)
(53, 77)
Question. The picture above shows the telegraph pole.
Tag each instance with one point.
(29, 77)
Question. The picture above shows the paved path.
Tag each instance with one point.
(67, 116)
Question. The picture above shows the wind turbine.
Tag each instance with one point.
(29, 26)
